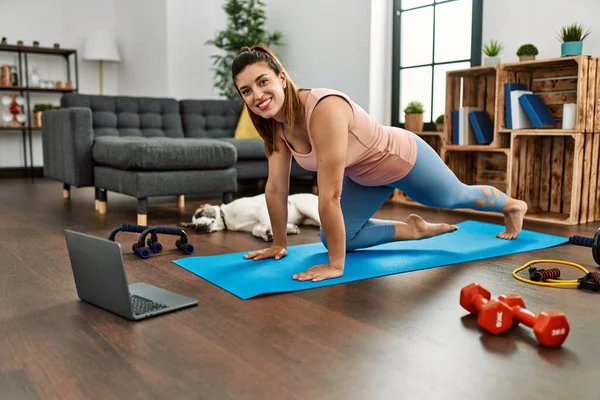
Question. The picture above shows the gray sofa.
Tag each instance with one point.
(149, 147)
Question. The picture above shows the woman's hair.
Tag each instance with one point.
(291, 103)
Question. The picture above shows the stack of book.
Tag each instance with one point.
(525, 110)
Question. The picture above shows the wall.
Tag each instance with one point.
(67, 22)
(538, 22)
(190, 24)
(327, 43)
(380, 69)
(141, 32)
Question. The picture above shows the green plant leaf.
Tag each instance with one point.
(493, 48)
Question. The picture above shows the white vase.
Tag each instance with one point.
(569, 115)
(491, 61)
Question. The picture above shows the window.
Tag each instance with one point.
(431, 37)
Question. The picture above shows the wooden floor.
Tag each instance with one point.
(398, 337)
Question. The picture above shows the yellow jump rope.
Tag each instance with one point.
(542, 277)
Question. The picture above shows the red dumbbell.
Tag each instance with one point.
(494, 316)
(551, 328)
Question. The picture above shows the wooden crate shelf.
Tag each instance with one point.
(546, 173)
(473, 87)
(556, 171)
(556, 81)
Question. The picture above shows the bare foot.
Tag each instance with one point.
(514, 210)
(423, 229)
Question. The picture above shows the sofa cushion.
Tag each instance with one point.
(160, 154)
(129, 116)
(210, 118)
(248, 149)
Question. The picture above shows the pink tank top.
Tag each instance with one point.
(377, 154)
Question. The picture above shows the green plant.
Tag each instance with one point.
(439, 120)
(493, 48)
(245, 27)
(527, 50)
(44, 107)
(414, 107)
(36, 43)
(573, 33)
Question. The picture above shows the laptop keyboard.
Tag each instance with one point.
(141, 305)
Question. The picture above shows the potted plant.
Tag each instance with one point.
(572, 37)
(19, 43)
(492, 50)
(38, 109)
(527, 52)
(3, 40)
(413, 116)
(36, 43)
(439, 123)
(56, 45)
(246, 26)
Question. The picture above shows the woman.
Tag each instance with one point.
(358, 162)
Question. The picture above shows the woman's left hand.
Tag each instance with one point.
(319, 272)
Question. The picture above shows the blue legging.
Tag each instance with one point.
(430, 182)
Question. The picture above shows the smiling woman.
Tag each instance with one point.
(358, 161)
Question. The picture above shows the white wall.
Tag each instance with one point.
(190, 24)
(68, 22)
(327, 43)
(380, 70)
(141, 32)
(538, 22)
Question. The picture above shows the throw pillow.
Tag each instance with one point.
(245, 128)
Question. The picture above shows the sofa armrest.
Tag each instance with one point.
(67, 139)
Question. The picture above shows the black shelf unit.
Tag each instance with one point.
(25, 90)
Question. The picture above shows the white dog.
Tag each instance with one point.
(250, 214)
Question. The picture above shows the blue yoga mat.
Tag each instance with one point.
(472, 241)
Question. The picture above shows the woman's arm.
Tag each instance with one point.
(330, 123)
(276, 195)
(277, 190)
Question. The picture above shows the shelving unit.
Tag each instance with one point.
(26, 90)
(555, 171)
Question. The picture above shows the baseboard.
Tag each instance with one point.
(20, 172)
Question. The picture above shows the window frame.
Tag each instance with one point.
(476, 43)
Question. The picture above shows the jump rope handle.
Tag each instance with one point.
(538, 275)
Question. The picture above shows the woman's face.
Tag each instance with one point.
(262, 90)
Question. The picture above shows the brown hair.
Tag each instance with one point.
(291, 104)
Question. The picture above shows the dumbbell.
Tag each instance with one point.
(551, 328)
(594, 243)
(494, 316)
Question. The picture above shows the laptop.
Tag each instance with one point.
(100, 280)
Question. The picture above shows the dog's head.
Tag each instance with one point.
(207, 219)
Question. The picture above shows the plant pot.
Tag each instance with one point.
(413, 122)
(571, 49)
(491, 61)
(37, 119)
(526, 58)
(439, 127)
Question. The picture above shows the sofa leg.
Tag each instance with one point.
(181, 201)
(142, 211)
(66, 191)
(101, 198)
(96, 198)
(227, 197)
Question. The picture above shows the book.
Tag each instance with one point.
(536, 111)
(518, 115)
(482, 126)
(509, 87)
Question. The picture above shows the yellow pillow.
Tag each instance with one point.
(245, 128)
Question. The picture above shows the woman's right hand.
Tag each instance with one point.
(276, 252)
